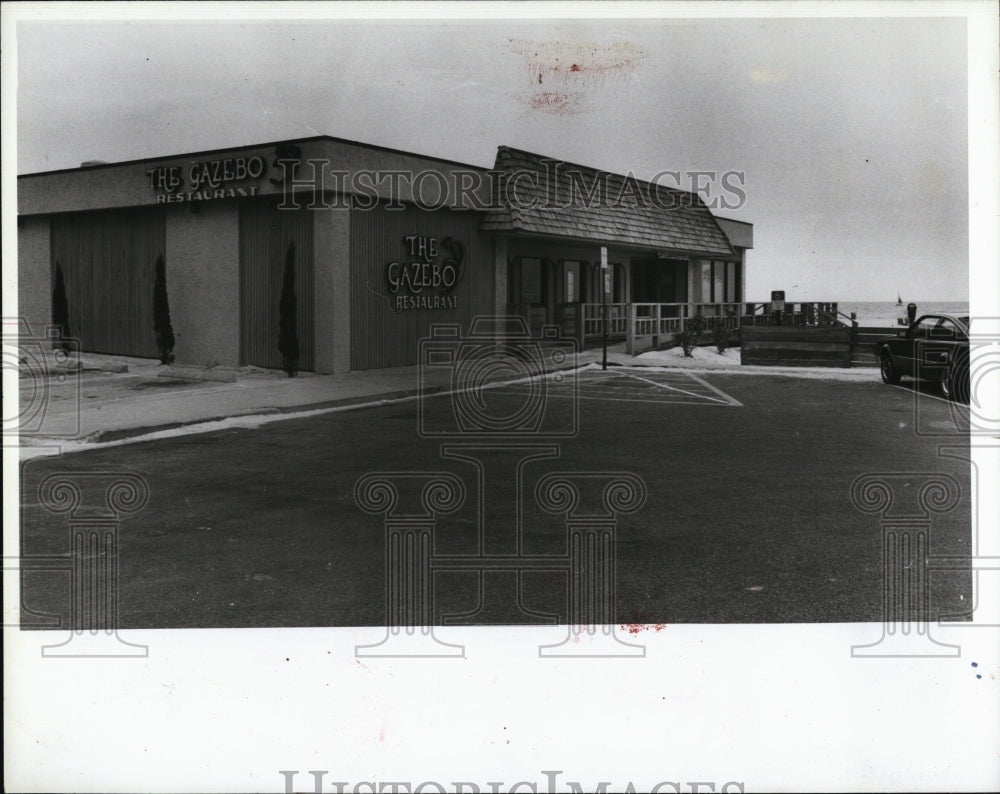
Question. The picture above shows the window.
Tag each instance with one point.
(618, 283)
(718, 281)
(570, 282)
(921, 328)
(705, 294)
(946, 329)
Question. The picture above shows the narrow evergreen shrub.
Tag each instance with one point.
(288, 339)
(161, 315)
(60, 311)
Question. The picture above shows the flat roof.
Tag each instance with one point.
(256, 145)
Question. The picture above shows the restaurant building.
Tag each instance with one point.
(383, 244)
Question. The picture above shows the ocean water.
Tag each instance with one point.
(887, 312)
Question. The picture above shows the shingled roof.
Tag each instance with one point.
(540, 195)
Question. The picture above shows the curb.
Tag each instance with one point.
(368, 400)
(196, 373)
(79, 367)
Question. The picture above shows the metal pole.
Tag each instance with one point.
(604, 331)
(604, 305)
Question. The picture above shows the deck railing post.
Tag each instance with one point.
(630, 329)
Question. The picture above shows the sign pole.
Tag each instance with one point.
(604, 306)
(777, 304)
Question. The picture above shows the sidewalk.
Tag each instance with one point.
(104, 404)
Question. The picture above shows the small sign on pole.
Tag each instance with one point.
(606, 272)
(777, 304)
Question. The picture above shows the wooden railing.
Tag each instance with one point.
(644, 326)
(652, 325)
(593, 320)
(656, 319)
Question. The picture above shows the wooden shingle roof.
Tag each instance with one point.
(539, 195)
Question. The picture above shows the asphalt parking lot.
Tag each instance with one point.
(747, 516)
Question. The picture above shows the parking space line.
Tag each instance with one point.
(620, 398)
(729, 399)
(913, 391)
(724, 401)
(624, 386)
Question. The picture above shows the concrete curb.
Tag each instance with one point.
(363, 400)
(366, 400)
(112, 367)
(196, 373)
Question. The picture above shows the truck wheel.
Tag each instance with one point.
(890, 374)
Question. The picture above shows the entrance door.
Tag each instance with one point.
(656, 280)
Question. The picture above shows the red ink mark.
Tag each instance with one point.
(576, 60)
(635, 628)
(554, 102)
(381, 734)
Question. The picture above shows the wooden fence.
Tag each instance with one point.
(863, 341)
(796, 346)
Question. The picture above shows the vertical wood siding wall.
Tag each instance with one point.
(265, 234)
(381, 336)
(108, 260)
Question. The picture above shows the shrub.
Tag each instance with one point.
(60, 311)
(288, 339)
(720, 335)
(692, 331)
(161, 315)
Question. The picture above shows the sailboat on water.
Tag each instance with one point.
(899, 299)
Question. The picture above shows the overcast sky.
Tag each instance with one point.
(851, 133)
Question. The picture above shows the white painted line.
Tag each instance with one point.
(619, 390)
(731, 400)
(912, 391)
(699, 401)
(240, 422)
(724, 401)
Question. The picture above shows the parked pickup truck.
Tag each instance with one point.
(934, 348)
